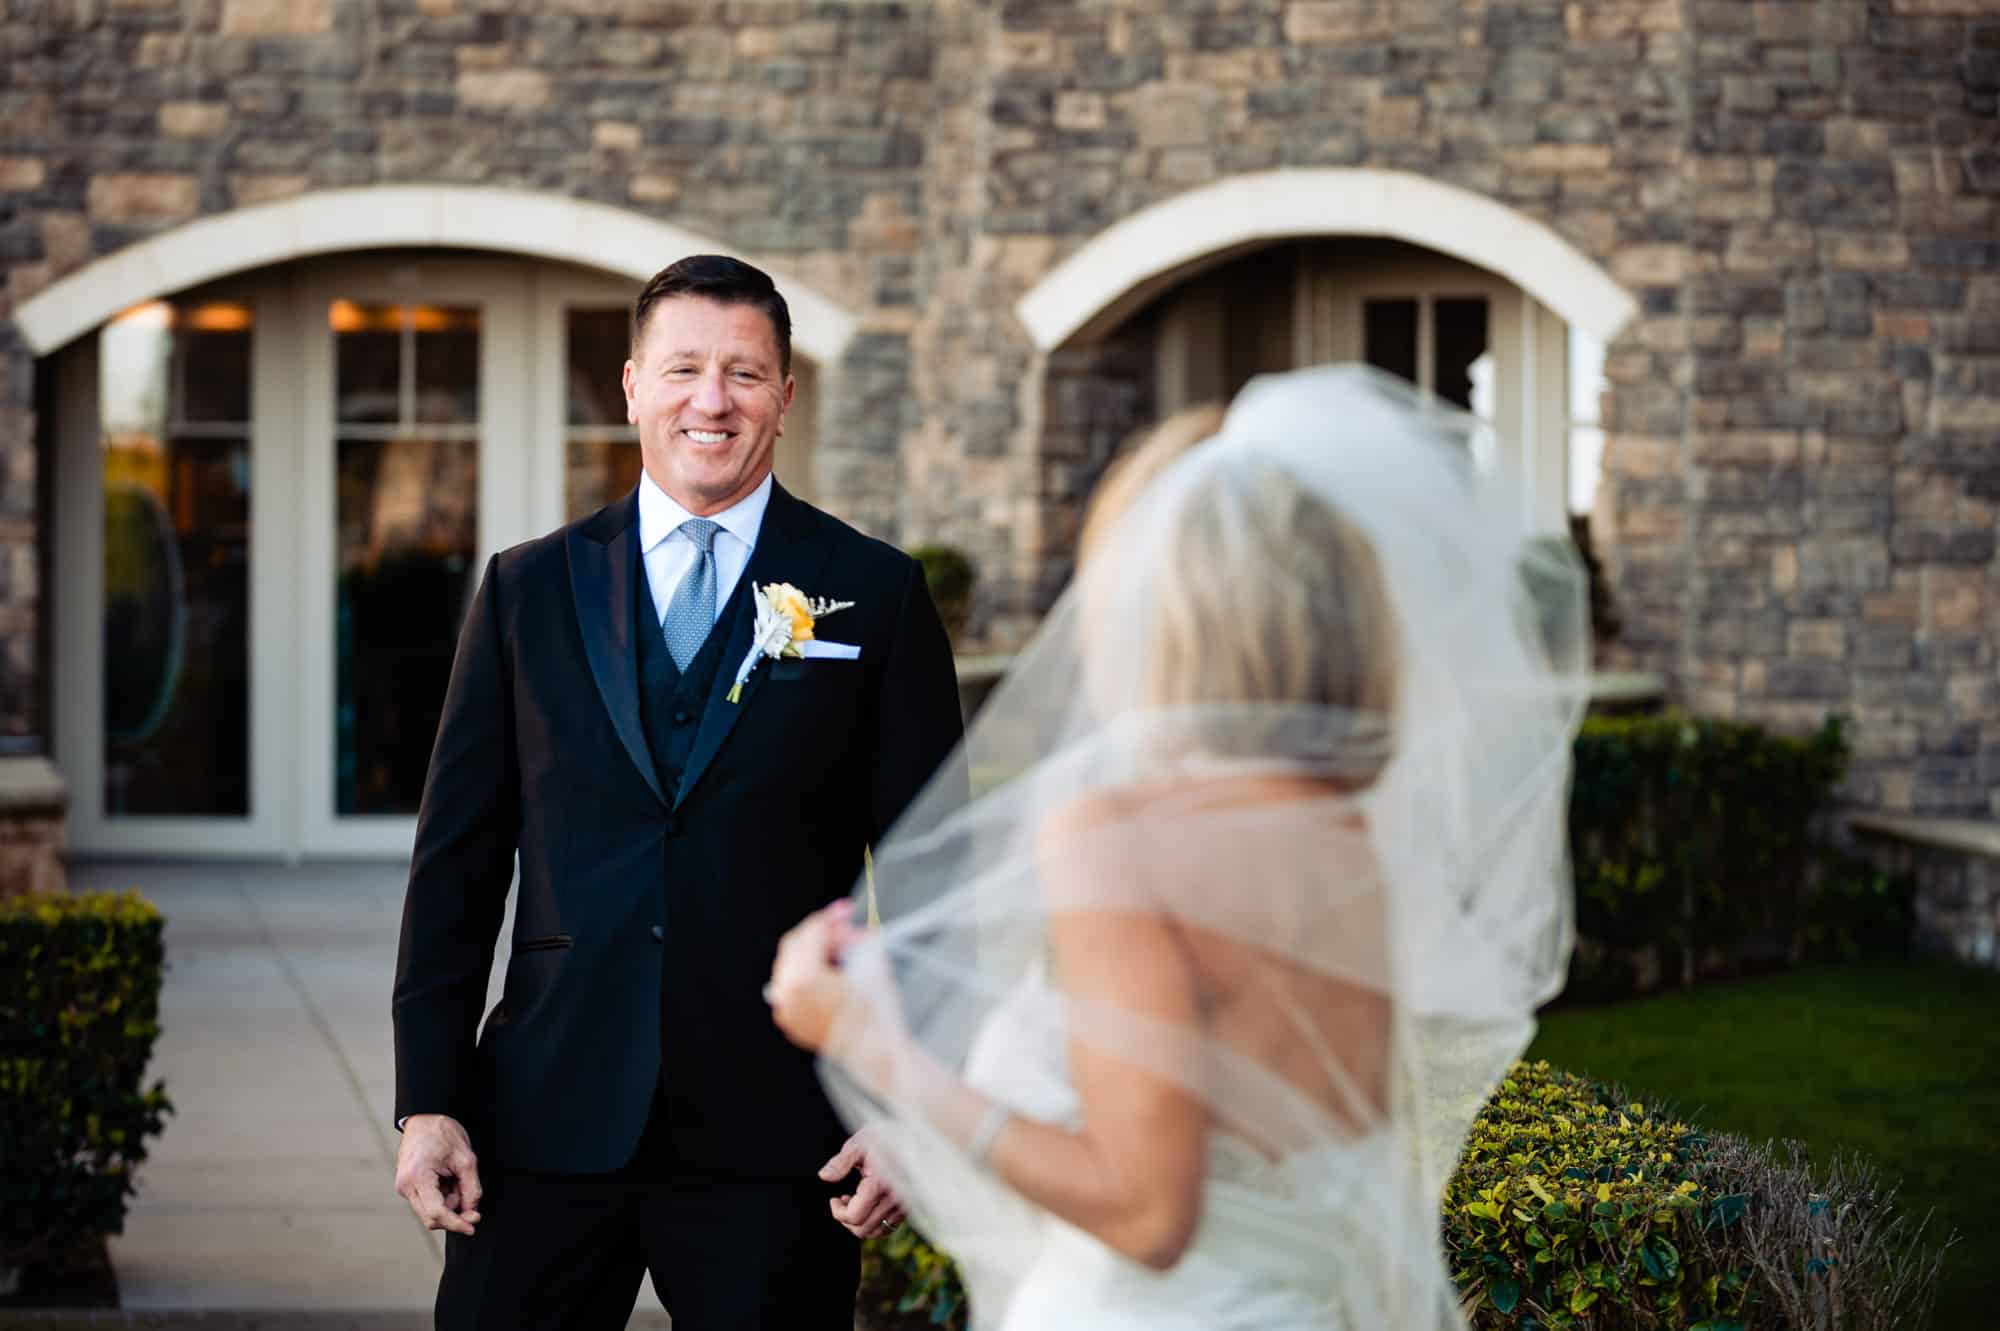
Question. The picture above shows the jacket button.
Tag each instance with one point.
(681, 717)
(659, 933)
(673, 826)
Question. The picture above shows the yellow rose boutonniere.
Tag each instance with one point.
(785, 618)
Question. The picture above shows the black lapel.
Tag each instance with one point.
(602, 555)
(786, 552)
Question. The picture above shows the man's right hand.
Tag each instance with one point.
(437, 1173)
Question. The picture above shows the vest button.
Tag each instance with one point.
(681, 716)
(659, 933)
(673, 826)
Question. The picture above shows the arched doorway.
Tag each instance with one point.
(1477, 305)
(275, 492)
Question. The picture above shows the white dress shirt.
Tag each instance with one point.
(669, 554)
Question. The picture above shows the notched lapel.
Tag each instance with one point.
(601, 557)
(785, 552)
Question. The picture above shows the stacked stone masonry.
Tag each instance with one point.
(1803, 197)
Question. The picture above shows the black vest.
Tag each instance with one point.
(670, 702)
(670, 707)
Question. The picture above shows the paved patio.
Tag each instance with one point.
(271, 1189)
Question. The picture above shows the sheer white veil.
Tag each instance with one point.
(1316, 692)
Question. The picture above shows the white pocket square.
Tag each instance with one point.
(829, 651)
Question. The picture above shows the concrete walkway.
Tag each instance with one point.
(271, 1190)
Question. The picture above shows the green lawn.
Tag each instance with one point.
(1898, 1061)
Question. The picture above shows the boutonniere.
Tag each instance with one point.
(785, 618)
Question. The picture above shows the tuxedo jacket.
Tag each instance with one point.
(649, 912)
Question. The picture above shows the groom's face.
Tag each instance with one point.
(707, 390)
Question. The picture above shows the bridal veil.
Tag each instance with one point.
(1319, 682)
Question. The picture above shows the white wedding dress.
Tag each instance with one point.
(1276, 1247)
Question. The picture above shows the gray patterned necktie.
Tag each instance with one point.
(691, 613)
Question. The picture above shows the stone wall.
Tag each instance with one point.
(1798, 507)
(793, 133)
(1095, 111)
(1801, 518)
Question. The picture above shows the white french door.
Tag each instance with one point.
(275, 498)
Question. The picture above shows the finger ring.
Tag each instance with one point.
(888, 1224)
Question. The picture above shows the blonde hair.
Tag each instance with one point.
(1264, 593)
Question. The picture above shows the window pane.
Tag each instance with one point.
(1461, 340)
(408, 535)
(596, 353)
(597, 471)
(368, 365)
(447, 365)
(1389, 336)
(176, 572)
(215, 364)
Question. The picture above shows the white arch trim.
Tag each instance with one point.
(513, 221)
(1129, 261)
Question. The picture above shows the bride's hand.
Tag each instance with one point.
(807, 991)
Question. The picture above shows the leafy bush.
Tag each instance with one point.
(1695, 852)
(1573, 1209)
(79, 1011)
(1564, 1199)
(950, 576)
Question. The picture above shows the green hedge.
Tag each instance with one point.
(1573, 1209)
(1700, 847)
(79, 1012)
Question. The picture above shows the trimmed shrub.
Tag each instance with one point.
(1574, 1209)
(950, 576)
(79, 1012)
(1696, 852)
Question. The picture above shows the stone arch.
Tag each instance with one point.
(1134, 259)
(511, 221)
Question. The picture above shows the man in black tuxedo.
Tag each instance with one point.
(629, 1105)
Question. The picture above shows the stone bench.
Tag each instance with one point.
(1956, 862)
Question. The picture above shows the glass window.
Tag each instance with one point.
(1460, 342)
(1389, 336)
(174, 401)
(600, 451)
(406, 491)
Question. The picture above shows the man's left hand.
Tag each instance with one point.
(871, 1208)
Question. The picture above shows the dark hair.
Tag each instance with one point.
(724, 280)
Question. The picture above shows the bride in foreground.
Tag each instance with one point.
(1181, 1023)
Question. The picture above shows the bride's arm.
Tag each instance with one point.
(1131, 1175)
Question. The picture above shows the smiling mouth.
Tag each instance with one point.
(707, 436)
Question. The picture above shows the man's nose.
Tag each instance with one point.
(711, 395)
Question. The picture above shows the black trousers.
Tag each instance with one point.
(565, 1252)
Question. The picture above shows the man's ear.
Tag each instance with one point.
(791, 387)
(630, 380)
